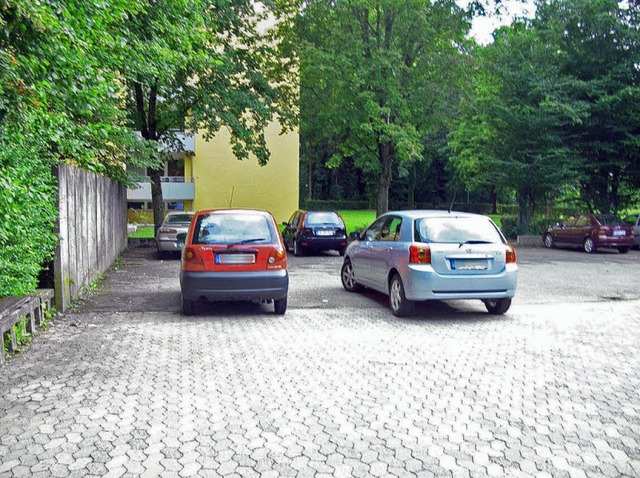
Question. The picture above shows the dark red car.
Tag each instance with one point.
(590, 232)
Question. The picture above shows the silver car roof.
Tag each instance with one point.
(423, 213)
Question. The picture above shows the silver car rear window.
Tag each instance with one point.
(456, 230)
(234, 229)
(179, 218)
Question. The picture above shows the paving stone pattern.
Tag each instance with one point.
(548, 391)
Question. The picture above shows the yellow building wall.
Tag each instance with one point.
(223, 181)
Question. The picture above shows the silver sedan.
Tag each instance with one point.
(167, 236)
(433, 255)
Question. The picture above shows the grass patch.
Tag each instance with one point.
(496, 219)
(357, 220)
(143, 232)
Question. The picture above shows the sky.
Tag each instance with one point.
(483, 27)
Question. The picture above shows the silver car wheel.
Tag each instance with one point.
(394, 295)
(348, 277)
(589, 245)
(400, 305)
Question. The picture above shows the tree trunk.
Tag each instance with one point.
(494, 200)
(614, 202)
(526, 208)
(411, 193)
(310, 180)
(149, 121)
(385, 156)
(156, 198)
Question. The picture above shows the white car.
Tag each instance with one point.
(167, 237)
(433, 255)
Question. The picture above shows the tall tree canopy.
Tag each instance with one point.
(376, 77)
(188, 64)
(598, 49)
(555, 108)
(511, 131)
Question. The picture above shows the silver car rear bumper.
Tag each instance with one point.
(421, 282)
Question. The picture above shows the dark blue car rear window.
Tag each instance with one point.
(322, 218)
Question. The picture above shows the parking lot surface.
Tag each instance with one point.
(123, 385)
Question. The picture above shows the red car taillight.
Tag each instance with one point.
(419, 254)
(166, 230)
(277, 259)
(511, 254)
(192, 260)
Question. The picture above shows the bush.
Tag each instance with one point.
(28, 210)
(332, 205)
(139, 216)
(540, 224)
(537, 226)
(509, 226)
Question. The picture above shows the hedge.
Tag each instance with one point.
(28, 210)
(537, 226)
(329, 205)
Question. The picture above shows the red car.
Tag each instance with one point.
(590, 232)
(233, 254)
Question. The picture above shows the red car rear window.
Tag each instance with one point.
(234, 228)
(609, 220)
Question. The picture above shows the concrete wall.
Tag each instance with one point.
(223, 181)
(92, 228)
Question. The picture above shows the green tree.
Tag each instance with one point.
(598, 50)
(58, 103)
(511, 133)
(377, 76)
(57, 54)
(189, 65)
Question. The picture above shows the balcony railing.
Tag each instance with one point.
(174, 188)
(181, 143)
(175, 179)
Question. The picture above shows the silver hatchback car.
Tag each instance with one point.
(433, 255)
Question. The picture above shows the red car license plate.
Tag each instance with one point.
(235, 258)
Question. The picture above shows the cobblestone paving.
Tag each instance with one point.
(548, 390)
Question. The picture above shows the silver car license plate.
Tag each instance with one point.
(469, 264)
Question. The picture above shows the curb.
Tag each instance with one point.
(136, 242)
(529, 241)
